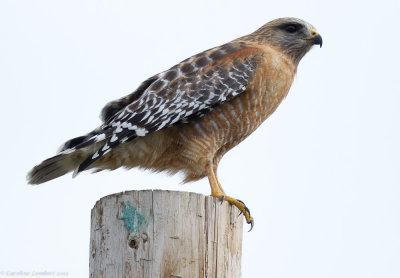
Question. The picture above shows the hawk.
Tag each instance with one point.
(186, 118)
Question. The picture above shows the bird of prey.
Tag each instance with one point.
(186, 118)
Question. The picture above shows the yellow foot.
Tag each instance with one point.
(218, 192)
(241, 206)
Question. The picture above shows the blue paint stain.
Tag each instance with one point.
(133, 219)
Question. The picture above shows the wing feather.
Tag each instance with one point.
(183, 93)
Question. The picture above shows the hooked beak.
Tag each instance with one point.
(315, 38)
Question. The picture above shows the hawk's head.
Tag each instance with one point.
(293, 36)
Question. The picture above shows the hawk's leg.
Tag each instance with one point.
(218, 192)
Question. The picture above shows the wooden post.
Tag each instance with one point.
(151, 234)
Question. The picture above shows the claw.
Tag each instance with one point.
(249, 220)
(246, 209)
(251, 225)
(240, 205)
(246, 213)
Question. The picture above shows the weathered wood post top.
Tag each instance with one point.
(164, 234)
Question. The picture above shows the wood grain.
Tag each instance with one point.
(164, 234)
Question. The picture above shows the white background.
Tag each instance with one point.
(321, 175)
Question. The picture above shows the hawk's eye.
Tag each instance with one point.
(291, 28)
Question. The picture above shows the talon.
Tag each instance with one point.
(246, 213)
(251, 225)
(246, 209)
(240, 213)
(249, 219)
(222, 199)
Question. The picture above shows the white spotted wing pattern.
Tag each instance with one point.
(181, 94)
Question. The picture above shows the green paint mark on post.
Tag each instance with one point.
(133, 219)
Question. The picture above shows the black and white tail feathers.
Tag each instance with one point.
(75, 154)
(70, 155)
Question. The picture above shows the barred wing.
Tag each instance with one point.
(183, 93)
